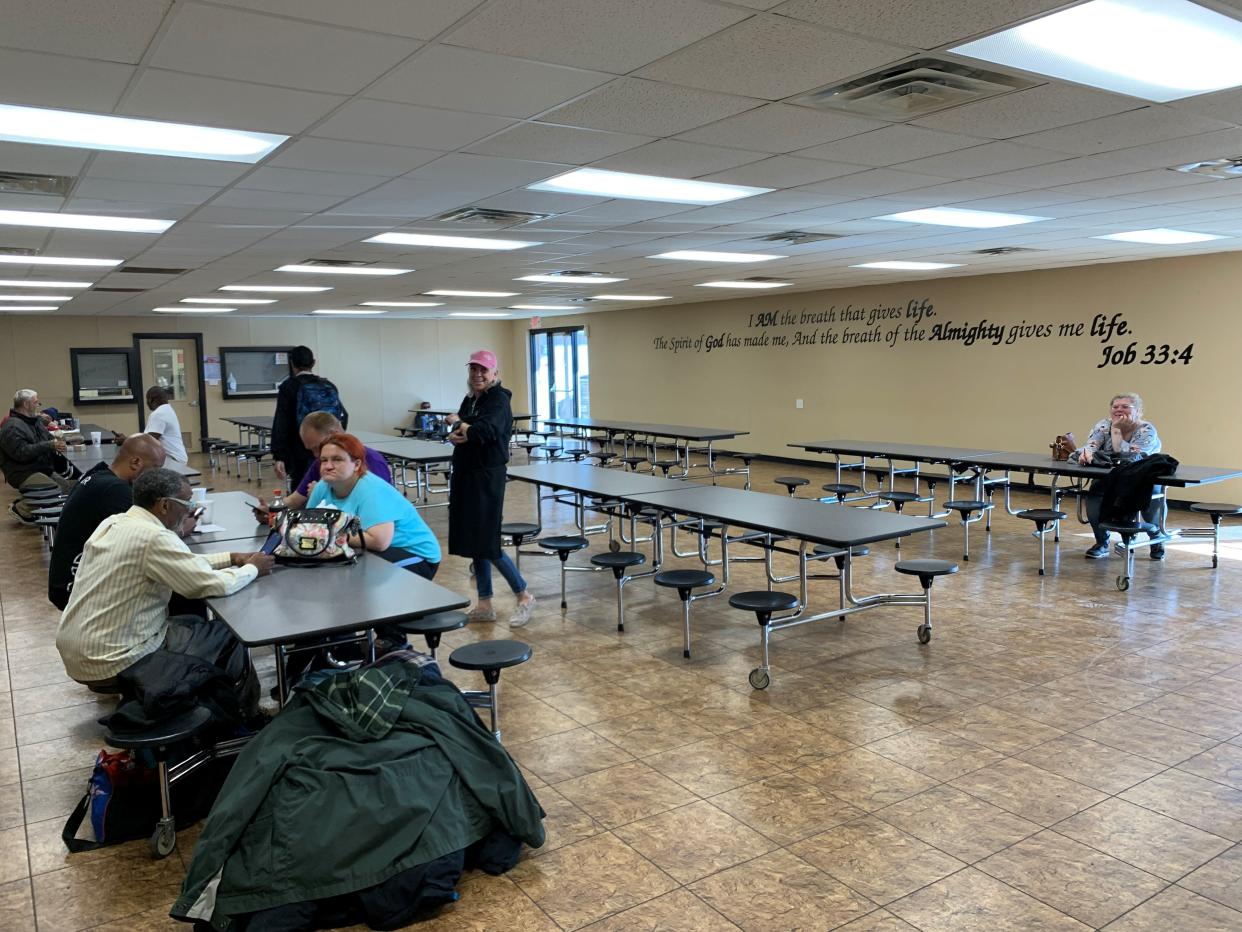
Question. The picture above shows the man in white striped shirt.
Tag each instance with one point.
(118, 610)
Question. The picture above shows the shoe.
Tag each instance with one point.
(1157, 552)
(477, 614)
(1098, 552)
(521, 615)
(29, 522)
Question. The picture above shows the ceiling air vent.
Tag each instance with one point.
(150, 270)
(489, 217)
(120, 290)
(797, 237)
(1228, 167)
(913, 89)
(337, 263)
(1004, 250)
(22, 183)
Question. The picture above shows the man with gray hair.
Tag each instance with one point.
(118, 609)
(29, 456)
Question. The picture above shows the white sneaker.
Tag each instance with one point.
(481, 614)
(521, 615)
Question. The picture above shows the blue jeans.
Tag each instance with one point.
(483, 575)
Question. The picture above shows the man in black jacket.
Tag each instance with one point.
(289, 456)
(29, 456)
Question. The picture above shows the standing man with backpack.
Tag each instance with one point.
(299, 395)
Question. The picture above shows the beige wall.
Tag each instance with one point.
(1012, 397)
(382, 368)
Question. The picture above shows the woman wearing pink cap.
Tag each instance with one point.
(482, 428)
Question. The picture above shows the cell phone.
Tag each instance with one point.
(270, 545)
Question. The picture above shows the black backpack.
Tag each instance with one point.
(319, 394)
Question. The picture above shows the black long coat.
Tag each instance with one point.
(477, 494)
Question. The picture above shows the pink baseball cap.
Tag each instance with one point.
(484, 358)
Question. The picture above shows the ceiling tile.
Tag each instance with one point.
(890, 145)
(1223, 105)
(779, 128)
(872, 183)
(276, 200)
(540, 142)
(771, 57)
(597, 34)
(110, 189)
(51, 160)
(360, 157)
(308, 182)
(987, 159)
(915, 23)
(187, 98)
(268, 50)
(678, 159)
(42, 80)
(127, 208)
(651, 108)
(108, 30)
(420, 19)
(1032, 110)
(1122, 130)
(129, 166)
(783, 171)
(405, 125)
(463, 79)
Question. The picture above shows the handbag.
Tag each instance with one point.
(310, 536)
(1062, 447)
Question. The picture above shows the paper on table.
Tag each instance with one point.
(209, 528)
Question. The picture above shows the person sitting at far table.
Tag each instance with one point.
(163, 424)
(1121, 437)
(29, 456)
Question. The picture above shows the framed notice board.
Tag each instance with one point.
(103, 375)
(253, 371)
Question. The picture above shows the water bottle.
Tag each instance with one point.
(277, 505)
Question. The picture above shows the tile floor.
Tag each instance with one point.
(1061, 756)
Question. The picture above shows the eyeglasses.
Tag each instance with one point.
(187, 505)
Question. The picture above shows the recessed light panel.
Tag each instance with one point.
(907, 266)
(450, 293)
(743, 284)
(403, 304)
(959, 217)
(28, 283)
(193, 310)
(603, 183)
(25, 307)
(39, 218)
(124, 134)
(1161, 237)
(228, 300)
(569, 278)
(58, 260)
(348, 312)
(700, 255)
(1158, 50)
(544, 307)
(342, 270)
(296, 289)
(449, 242)
(36, 297)
(631, 297)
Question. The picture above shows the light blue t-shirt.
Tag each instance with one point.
(374, 501)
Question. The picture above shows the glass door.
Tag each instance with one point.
(559, 374)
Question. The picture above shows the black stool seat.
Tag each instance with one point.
(854, 551)
(791, 482)
(761, 600)
(966, 506)
(619, 560)
(633, 460)
(684, 579)
(519, 529)
(926, 569)
(564, 544)
(1130, 527)
(841, 488)
(438, 623)
(902, 497)
(1216, 508)
(177, 728)
(490, 655)
(1042, 515)
(708, 526)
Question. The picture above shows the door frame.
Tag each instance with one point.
(198, 365)
(544, 333)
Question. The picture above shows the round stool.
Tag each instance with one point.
(898, 500)
(1042, 518)
(763, 603)
(432, 626)
(1127, 533)
(791, 483)
(965, 509)
(685, 581)
(518, 533)
(926, 571)
(839, 555)
(619, 561)
(563, 546)
(1216, 511)
(841, 489)
(489, 657)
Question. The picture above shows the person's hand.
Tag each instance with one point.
(458, 436)
(262, 514)
(59, 446)
(1085, 457)
(118, 437)
(279, 467)
(310, 489)
(189, 522)
(263, 562)
(451, 419)
(1125, 425)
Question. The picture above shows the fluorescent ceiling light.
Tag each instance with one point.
(228, 300)
(1158, 50)
(477, 314)
(57, 260)
(603, 183)
(449, 242)
(403, 304)
(347, 311)
(571, 279)
(702, 255)
(125, 134)
(544, 307)
(631, 297)
(29, 283)
(907, 266)
(193, 310)
(39, 218)
(449, 293)
(342, 270)
(959, 217)
(1161, 237)
(300, 289)
(27, 307)
(742, 284)
(36, 297)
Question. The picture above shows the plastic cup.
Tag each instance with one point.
(209, 508)
(96, 438)
(199, 494)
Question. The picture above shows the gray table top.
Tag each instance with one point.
(301, 602)
(372, 437)
(258, 422)
(1042, 463)
(800, 518)
(414, 451)
(231, 510)
(89, 456)
(676, 431)
(593, 480)
(914, 452)
(86, 429)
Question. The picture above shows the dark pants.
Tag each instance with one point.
(1152, 514)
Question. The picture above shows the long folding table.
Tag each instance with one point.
(91, 456)
(422, 455)
(630, 431)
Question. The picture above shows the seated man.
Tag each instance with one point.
(105, 490)
(29, 456)
(118, 609)
(162, 424)
(1122, 436)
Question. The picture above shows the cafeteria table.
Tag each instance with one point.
(91, 456)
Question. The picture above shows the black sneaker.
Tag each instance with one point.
(1157, 552)
(29, 522)
(1098, 552)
